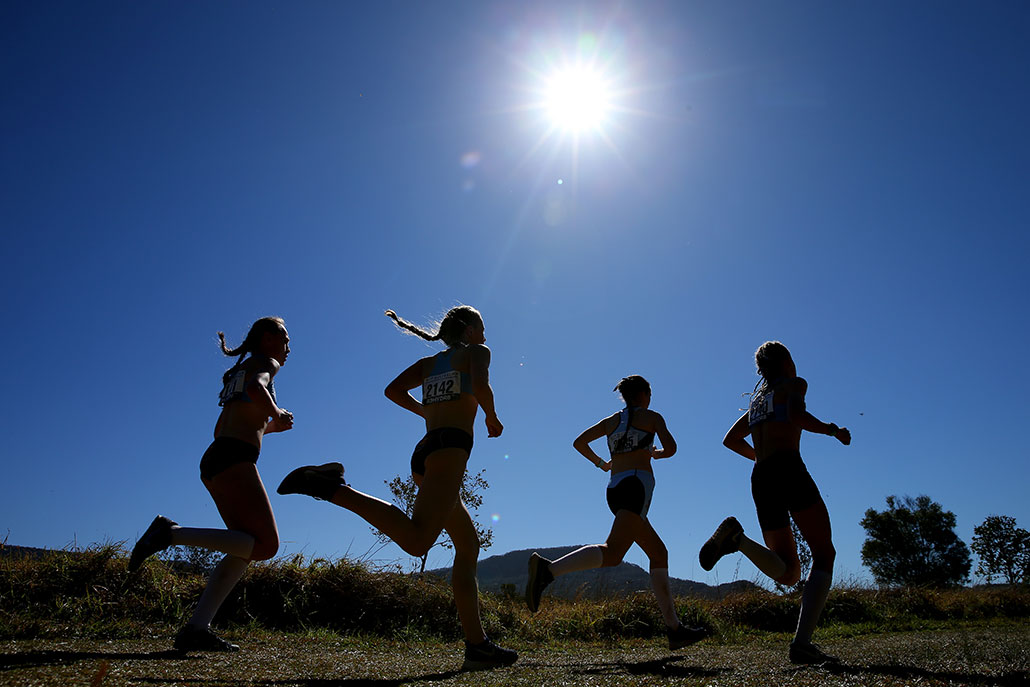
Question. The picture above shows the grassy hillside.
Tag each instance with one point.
(90, 594)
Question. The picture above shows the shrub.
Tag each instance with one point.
(918, 602)
(850, 606)
(761, 610)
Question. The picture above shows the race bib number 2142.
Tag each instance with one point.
(441, 387)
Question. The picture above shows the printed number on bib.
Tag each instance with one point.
(761, 409)
(234, 387)
(441, 387)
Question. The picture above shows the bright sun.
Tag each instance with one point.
(577, 99)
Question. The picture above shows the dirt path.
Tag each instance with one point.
(979, 657)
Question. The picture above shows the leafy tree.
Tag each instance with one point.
(192, 559)
(1003, 548)
(913, 542)
(404, 491)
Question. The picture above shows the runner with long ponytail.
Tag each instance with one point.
(455, 384)
(228, 470)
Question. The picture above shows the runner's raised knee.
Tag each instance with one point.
(419, 545)
(417, 549)
(610, 557)
(659, 556)
(791, 576)
(822, 559)
(265, 547)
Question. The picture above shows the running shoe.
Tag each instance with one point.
(725, 540)
(158, 537)
(319, 481)
(685, 636)
(540, 576)
(487, 655)
(810, 654)
(193, 638)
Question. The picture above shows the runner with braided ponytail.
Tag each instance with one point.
(229, 472)
(455, 384)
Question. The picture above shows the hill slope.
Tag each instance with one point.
(626, 578)
(11, 551)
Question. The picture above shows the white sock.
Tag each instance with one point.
(764, 559)
(232, 542)
(663, 595)
(813, 599)
(586, 558)
(223, 578)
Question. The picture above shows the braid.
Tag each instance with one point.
(408, 326)
(449, 330)
(225, 349)
(240, 351)
(249, 344)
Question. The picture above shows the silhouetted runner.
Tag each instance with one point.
(229, 471)
(455, 384)
(782, 489)
(630, 434)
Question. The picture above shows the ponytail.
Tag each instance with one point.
(631, 387)
(408, 326)
(449, 330)
(250, 343)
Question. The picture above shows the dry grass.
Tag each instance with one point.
(79, 619)
(973, 655)
(89, 595)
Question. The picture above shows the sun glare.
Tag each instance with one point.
(577, 99)
(579, 90)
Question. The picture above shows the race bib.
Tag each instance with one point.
(233, 388)
(441, 387)
(761, 409)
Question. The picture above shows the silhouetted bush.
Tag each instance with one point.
(851, 606)
(760, 610)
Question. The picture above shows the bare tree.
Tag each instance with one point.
(804, 557)
(404, 491)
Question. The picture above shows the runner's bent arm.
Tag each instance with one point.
(668, 449)
(479, 371)
(397, 390)
(582, 444)
(257, 389)
(800, 416)
(735, 438)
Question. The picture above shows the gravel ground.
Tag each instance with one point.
(978, 656)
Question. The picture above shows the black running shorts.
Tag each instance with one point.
(630, 490)
(781, 485)
(436, 439)
(224, 452)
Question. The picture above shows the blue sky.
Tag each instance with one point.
(850, 179)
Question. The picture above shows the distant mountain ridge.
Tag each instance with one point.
(11, 551)
(626, 578)
(511, 569)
